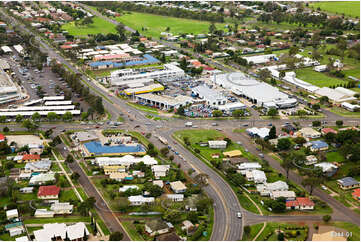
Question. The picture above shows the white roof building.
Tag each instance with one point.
(217, 144)
(266, 188)
(248, 166)
(256, 175)
(289, 195)
(326, 166)
(140, 200)
(13, 213)
(230, 107)
(175, 197)
(178, 187)
(260, 132)
(41, 178)
(160, 170)
(126, 160)
(211, 96)
(290, 77)
(59, 230)
(164, 101)
(336, 95)
(308, 132)
(349, 106)
(127, 187)
(255, 91)
(259, 59)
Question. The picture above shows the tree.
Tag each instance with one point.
(18, 118)
(172, 215)
(339, 123)
(316, 123)
(287, 165)
(238, 113)
(299, 140)
(36, 117)
(284, 144)
(264, 74)
(272, 133)
(84, 115)
(2, 119)
(272, 112)
(316, 106)
(85, 236)
(52, 116)
(154, 190)
(180, 111)
(116, 236)
(29, 125)
(212, 28)
(67, 116)
(282, 74)
(69, 159)
(247, 229)
(280, 236)
(326, 218)
(75, 176)
(311, 182)
(6, 129)
(164, 151)
(217, 113)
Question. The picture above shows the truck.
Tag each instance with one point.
(189, 124)
(163, 140)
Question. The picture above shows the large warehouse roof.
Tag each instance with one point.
(42, 113)
(241, 84)
(53, 98)
(39, 108)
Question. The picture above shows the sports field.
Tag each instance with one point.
(348, 8)
(155, 24)
(99, 26)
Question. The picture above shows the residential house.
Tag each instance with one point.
(266, 188)
(248, 166)
(38, 166)
(59, 231)
(121, 176)
(140, 200)
(127, 187)
(175, 197)
(327, 167)
(48, 192)
(30, 158)
(43, 213)
(113, 169)
(289, 195)
(256, 175)
(42, 178)
(317, 145)
(233, 153)
(188, 227)
(309, 133)
(15, 229)
(156, 227)
(160, 170)
(62, 208)
(356, 194)
(12, 213)
(310, 160)
(26, 189)
(325, 131)
(178, 187)
(301, 203)
(158, 183)
(217, 144)
(348, 183)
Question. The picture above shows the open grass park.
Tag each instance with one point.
(154, 25)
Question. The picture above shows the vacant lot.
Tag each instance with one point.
(100, 26)
(153, 25)
(348, 8)
(317, 78)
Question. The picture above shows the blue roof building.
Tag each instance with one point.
(318, 145)
(147, 60)
(96, 148)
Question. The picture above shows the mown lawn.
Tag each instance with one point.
(334, 156)
(153, 25)
(254, 231)
(271, 227)
(100, 26)
(143, 108)
(317, 78)
(348, 8)
(68, 219)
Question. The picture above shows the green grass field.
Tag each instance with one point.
(271, 227)
(155, 24)
(100, 26)
(348, 8)
(317, 78)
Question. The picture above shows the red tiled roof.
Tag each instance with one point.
(2, 137)
(329, 130)
(300, 201)
(356, 193)
(48, 191)
(31, 157)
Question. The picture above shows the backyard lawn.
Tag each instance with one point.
(334, 156)
(100, 26)
(348, 8)
(155, 24)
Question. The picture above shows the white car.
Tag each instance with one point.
(323, 187)
(239, 215)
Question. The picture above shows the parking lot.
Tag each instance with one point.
(31, 78)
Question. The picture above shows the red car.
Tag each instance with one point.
(97, 127)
